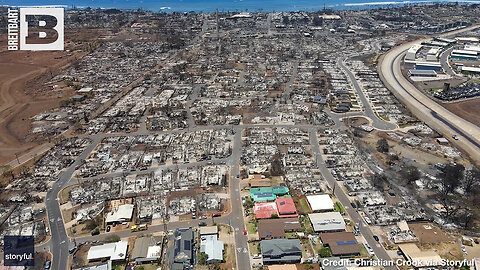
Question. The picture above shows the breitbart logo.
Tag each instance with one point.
(35, 29)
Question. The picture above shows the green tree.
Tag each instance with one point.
(112, 238)
(451, 177)
(471, 180)
(382, 145)
(202, 258)
(325, 252)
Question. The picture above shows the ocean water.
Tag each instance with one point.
(229, 5)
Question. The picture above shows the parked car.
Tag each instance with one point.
(257, 256)
(202, 224)
(216, 214)
(47, 265)
(95, 232)
(108, 228)
(376, 238)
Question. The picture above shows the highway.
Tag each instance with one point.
(424, 108)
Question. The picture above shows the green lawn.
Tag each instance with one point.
(290, 235)
(338, 207)
(251, 228)
(384, 117)
(254, 248)
(363, 251)
(119, 266)
(304, 205)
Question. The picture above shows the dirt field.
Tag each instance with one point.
(24, 92)
(468, 110)
(429, 234)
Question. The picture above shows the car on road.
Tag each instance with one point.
(353, 205)
(108, 228)
(244, 232)
(376, 238)
(202, 224)
(141, 227)
(455, 137)
(216, 215)
(203, 217)
(95, 232)
(47, 265)
(368, 220)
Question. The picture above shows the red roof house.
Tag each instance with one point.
(286, 207)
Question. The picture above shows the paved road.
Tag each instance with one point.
(376, 122)
(444, 61)
(60, 242)
(424, 108)
(343, 198)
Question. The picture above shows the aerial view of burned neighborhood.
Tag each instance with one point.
(305, 138)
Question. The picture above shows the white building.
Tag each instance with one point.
(412, 52)
(320, 202)
(327, 222)
(211, 246)
(122, 214)
(111, 251)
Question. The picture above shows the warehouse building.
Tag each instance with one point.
(473, 70)
(433, 53)
(436, 66)
(421, 73)
(464, 55)
(412, 52)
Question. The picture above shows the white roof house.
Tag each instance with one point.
(212, 247)
(327, 222)
(123, 213)
(111, 251)
(320, 202)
